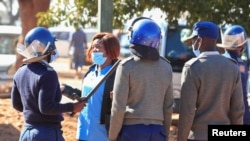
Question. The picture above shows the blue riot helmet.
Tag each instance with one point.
(234, 37)
(39, 42)
(144, 31)
(42, 35)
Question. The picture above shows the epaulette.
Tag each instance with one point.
(191, 61)
(126, 60)
(49, 68)
(233, 60)
(45, 64)
(239, 59)
(165, 59)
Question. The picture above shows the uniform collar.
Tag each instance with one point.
(207, 53)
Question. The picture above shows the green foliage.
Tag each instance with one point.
(70, 13)
(84, 12)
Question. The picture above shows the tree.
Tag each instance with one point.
(28, 11)
(218, 11)
(10, 11)
(71, 13)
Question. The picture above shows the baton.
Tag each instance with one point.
(102, 80)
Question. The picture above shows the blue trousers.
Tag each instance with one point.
(41, 133)
(141, 132)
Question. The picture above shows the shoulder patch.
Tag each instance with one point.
(242, 68)
(191, 61)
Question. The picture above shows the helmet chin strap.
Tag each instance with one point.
(36, 59)
(241, 50)
(48, 59)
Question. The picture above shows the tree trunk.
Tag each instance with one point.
(28, 10)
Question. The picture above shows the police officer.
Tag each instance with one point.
(143, 91)
(211, 90)
(36, 91)
(234, 41)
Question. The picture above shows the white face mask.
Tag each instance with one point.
(196, 51)
(226, 54)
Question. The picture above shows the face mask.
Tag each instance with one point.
(53, 56)
(196, 51)
(98, 58)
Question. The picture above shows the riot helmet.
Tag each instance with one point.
(38, 43)
(234, 37)
(144, 31)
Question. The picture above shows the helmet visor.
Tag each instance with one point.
(35, 49)
(233, 41)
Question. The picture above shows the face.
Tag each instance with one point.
(99, 59)
(98, 46)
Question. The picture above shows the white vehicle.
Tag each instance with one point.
(64, 36)
(179, 53)
(8, 39)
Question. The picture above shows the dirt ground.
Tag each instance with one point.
(11, 121)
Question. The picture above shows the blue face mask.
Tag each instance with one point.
(53, 56)
(196, 52)
(98, 58)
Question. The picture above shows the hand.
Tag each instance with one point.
(62, 87)
(77, 107)
(111, 94)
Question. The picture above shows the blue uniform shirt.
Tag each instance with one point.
(89, 127)
(244, 79)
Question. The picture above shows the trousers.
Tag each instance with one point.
(41, 133)
(141, 132)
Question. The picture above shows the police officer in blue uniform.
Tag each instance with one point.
(234, 41)
(36, 90)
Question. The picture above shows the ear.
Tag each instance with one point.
(199, 40)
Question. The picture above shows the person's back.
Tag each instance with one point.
(211, 92)
(218, 93)
(79, 39)
(30, 77)
(147, 90)
(142, 105)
